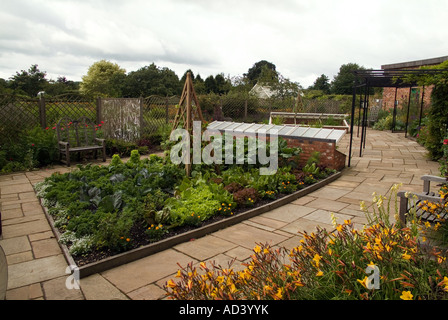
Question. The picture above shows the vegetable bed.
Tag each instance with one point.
(102, 211)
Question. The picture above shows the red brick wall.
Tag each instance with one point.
(329, 156)
(403, 96)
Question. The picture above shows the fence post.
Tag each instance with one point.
(42, 114)
(141, 117)
(166, 111)
(99, 116)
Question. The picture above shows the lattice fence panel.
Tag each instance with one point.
(17, 114)
(158, 111)
(69, 106)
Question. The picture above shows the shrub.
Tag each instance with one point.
(246, 197)
(31, 149)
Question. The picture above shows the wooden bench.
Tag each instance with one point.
(78, 136)
(406, 205)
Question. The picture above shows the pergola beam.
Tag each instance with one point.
(382, 79)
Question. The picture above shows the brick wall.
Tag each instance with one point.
(329, 156)
(403, 96)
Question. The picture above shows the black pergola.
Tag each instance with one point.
(365, 80)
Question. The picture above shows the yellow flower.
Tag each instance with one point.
(233, 288)
(406, 256)
(257, 249)
(267, 288)
(445, 283)
(319, 273)
(441, 259)
(279, 293)
(171, 284)
(317, 259)
(363, 282)
(406, 295)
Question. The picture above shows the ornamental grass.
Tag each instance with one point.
(384, 260)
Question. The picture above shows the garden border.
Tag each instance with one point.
(147, 250)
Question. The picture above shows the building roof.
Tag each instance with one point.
(414, 64)
(263, 92)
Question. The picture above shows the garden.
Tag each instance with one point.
(104, 210)
(383, 261)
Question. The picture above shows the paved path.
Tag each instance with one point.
(37, 268)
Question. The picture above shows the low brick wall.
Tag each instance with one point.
(329, 156)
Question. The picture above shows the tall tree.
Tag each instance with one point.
(103, 79)
(322, 83)
(343, 81)
(258, 69)
(223, 85)
(210, 84)
(30, 82)
(60, 86)
(152, 80)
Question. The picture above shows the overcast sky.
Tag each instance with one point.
(303, 38)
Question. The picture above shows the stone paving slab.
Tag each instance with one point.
(246, 236)
(36, 270)
(143, 272)
(205, 247)
(96, 287)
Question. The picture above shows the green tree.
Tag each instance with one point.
(260, 70)
(199, 84)
(30, 82)
(322, 83)
(152, 80)
(210, 84)
(103, 79)
(343, 81)
(223, 85)
(4, 87)
(61, 86)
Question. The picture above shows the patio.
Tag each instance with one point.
(37, 267)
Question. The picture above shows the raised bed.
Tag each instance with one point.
(144, 251)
